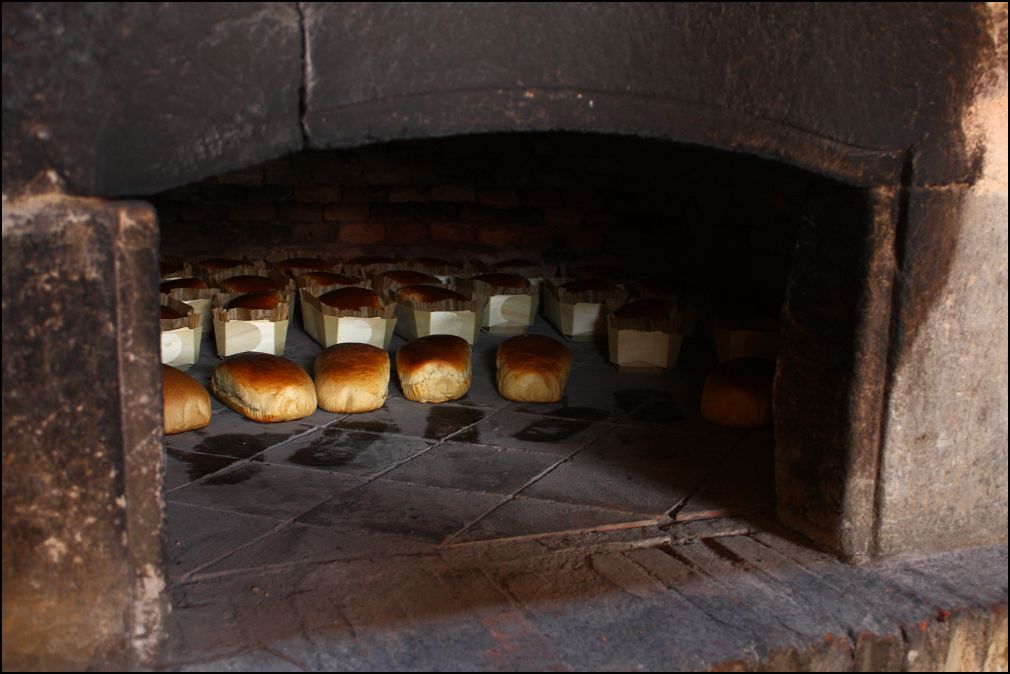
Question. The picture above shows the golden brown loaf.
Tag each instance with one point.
(265, 300)
(186, 402)
(169, 286)
(434, 369)
(657, 310)
(303, 263)
(327, 278)
(404, 277)
(168, 313)
(351, 299)
(264, 387)
(533, 368)
(504, 280)
(586, 285)
(352, 378)
(249, 284)
(424, 293)
(738, 393)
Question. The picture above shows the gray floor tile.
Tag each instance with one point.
(533, 432)
(743, 483)
(473, 468)
(342, 450)
(522, 516)
(197, 536)
(265, 490)
(231, 434)
(412, 511)
(657, 446)
(405, 417)
(183, 467)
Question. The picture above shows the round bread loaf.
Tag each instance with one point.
(218, 263)
(738, 393)
(504, 280)
(404, 277)
(365, 260)
(434, 369)
(352, 378)
(265, 300)
(533, 368)
(169, 286)
(587, 285)
(168, 313)
(351, 299)
(264, 387)
(657, 310)
(424, 293)
(303, 263)
(249, 284)
(186, 402)
(327, 278)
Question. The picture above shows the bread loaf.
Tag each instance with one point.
(738, 393)
(249, 284)
(264, 387)
(533, 368)
(352, 378)
(186, 402)
(434, 369)
(265, 300)
(352, 298)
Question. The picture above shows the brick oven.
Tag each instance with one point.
(846, 163)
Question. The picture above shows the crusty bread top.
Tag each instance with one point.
(303, 263)
(218, 263)
(504, 280)
(263, 372)
(584, 285)
(168, 313)
(351, 299)
(405, 277)
(168, 286)
(424, 293)
(249, 284)
(658, 310)
(354, 364)
(180, 386)
(415, 359)
(266, 300)
(533, 353)
(328, 278)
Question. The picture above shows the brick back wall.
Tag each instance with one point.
(650, 206)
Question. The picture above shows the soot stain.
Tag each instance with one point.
(629, 399)
(239, 445)
(469, 435)
(370, 426)
(334, 449)
(198, 465)
(237, 476)
(551, 430)
(443, 421)
(581, 413)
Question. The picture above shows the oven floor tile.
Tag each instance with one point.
(351, 452)
(420, 420)
(532, 432)
(231, 434)
(197, 536)
(183, 467)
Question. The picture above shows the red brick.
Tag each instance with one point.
(300, 212)
(453, 193)
(246, 177)
(317, 193)
(197, 212)
(288, 175)
(584, 200)
(169, 211)
(401, 195)
(392, 212)
(317, 232)
(501, 197)
(542, 197)
(451, 231)
(386, 176)
(363, 232)
(586, 239)
(363, 195)
(344, 212)
(496, 235)
(257, 212)
(407, 232)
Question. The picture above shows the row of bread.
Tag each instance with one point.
(250, 303)
(354, 378)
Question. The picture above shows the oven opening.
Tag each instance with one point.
(626, 454)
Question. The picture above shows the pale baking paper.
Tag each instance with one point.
(643, 351)
(509, 313)
(414, 323)
(261, 336)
